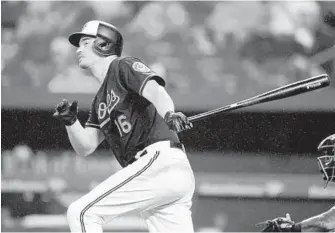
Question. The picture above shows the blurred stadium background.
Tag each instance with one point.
(252, 164)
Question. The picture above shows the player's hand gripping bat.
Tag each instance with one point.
(289, 90)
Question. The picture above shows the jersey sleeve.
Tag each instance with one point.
(135, 74)
(92, 120)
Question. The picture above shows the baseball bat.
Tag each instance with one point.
(288, 90)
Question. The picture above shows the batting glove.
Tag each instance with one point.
(66, 113)
(177, 121)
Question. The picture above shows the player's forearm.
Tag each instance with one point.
(164, 103)
(79, 139)
(319, 223)
(158, 96)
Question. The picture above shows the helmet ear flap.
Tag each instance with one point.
(108, 41)
(102, 47)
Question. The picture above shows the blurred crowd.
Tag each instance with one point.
(229, 46)
(236, 45)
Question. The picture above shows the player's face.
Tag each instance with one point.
(86, 56)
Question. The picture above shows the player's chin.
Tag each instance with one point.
(83, 65)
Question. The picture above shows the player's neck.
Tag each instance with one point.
(100, 68)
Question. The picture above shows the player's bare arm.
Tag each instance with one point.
(164, 105)
(83, 140)
(158, 96)
(319, 223)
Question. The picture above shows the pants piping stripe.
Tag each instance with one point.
(114, 189)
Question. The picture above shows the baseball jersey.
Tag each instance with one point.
(128, 120)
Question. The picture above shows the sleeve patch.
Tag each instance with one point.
(140, 67)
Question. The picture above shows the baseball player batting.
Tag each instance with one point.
(135, 114)
(324, 222)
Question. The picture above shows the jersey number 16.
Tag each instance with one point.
(122, 124)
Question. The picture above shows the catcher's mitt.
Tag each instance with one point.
(279, 224)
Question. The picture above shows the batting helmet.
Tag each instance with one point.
(326, 162)
(109, 40)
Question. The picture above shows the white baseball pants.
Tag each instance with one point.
(159, 186)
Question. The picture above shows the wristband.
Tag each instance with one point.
(167, 115)
(74, 119)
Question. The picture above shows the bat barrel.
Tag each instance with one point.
(286, 91)
(319, 81)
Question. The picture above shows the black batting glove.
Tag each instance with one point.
(66, 113)
(177, 121)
